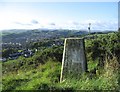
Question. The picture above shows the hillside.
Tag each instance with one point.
(37, 34)
(42, 70)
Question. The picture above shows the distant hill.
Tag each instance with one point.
(37, 34)
(23, 36)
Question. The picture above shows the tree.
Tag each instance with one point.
(6, 52)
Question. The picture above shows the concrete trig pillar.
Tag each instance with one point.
(74, 58)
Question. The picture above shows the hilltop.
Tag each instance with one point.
(42, 70)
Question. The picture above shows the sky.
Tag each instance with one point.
(59, 15)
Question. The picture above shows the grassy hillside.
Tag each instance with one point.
(42, 71)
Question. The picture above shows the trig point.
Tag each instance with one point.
(74, 58)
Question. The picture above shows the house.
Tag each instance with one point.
(27, 53)
(15, 55)
(3, 59)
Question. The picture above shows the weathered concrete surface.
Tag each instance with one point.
(74, 58)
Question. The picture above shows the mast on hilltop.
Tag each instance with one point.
(89, 27)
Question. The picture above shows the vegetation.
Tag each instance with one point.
(42, 71)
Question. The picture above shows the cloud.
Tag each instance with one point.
(75, 23)
(100, 25)
(31, 23)
(52, 24)
(34, 22)
(79, 25)
(23, 24)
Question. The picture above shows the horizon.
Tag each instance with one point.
(46, 29)
(65, 15)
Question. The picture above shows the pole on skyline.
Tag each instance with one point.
(89, 27)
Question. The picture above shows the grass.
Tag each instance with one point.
(45, 74)
(46, 77)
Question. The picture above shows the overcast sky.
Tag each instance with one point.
(69, 15)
